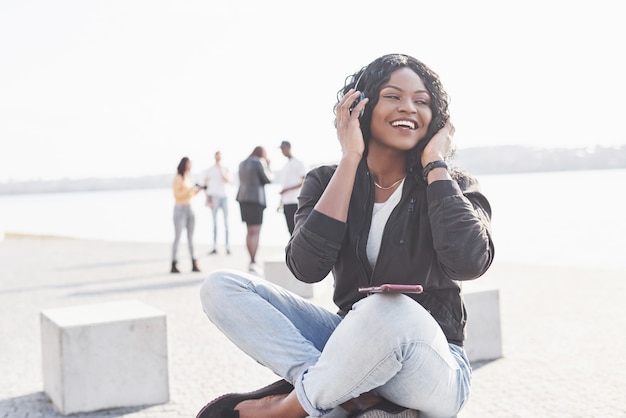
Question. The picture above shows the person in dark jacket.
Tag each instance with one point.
(254, 174)
(391, 211)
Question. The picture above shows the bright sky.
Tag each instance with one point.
(115, 88)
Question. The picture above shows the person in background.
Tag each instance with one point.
(216, 179)
(184, 217)
(254, 174)
(291, 178)
(391, 211)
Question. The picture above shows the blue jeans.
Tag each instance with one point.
(387, 343)
(219, 203)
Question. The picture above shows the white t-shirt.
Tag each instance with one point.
(290, 175)
(380, 215)
(217, 186)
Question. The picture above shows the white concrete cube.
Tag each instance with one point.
(105, 355)
(484, 335)
(277, 272)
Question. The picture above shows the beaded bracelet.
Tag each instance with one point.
(432, 165)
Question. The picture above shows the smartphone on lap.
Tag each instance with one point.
(393, 288)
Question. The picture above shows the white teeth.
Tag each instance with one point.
(407, 123)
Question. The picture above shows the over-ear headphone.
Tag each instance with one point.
(357, 101)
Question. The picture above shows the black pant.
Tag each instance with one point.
(290, 210)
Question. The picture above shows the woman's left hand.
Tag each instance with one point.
(440, 144)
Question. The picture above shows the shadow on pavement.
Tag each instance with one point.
(478, 364)
(39, 404)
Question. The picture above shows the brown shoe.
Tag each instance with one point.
(224, 406)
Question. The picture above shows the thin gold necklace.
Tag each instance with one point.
(390, 187)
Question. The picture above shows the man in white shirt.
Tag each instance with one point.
(292, 177)
(216, 179)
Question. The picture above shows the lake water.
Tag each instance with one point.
(572, 218)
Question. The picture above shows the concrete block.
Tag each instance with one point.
(277, 272)
(105, 355)
(484, 334)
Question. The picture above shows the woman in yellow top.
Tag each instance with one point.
(184, 218)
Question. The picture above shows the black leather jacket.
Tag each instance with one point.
(437, 235)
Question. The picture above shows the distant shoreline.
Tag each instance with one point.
(482, 160)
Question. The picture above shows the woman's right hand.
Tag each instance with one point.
(348, 124)
(335, 199)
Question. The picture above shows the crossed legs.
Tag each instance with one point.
(387, 344)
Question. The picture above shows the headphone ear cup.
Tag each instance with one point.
(356, 102)
(356, 85)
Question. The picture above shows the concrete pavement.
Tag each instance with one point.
(562, 330)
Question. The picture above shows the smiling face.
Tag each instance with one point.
(402, 115)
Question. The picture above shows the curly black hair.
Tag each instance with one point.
(370, 81)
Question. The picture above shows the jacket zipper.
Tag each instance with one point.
(357, 248)
(410, 209)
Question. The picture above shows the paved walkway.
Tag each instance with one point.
(563, 330)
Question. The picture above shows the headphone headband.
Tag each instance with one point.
(360, 77)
